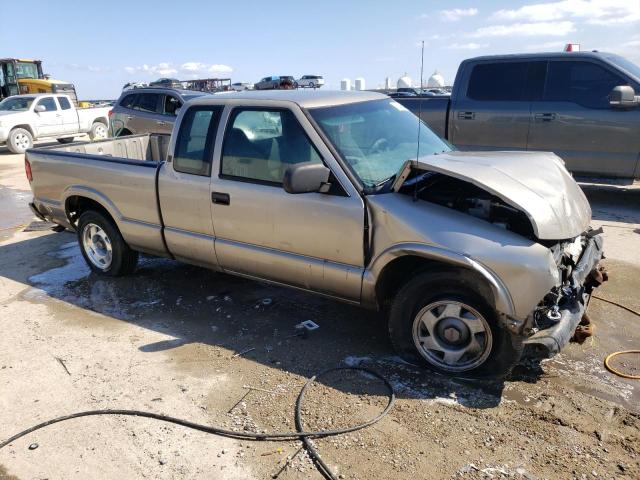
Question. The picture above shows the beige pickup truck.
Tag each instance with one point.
(476, 257)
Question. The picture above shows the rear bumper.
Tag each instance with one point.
(584, 278)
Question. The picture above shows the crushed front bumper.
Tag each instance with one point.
(585, 277)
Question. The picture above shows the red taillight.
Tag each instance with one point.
(27, 169)
(110, 113)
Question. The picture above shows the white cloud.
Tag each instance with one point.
(187, 69)
(467, 46)
(553, 29)
(595, 12)
(456, 14)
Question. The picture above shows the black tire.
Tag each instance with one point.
(19, 141)
(456, 286)
(65, 140)
(123, 259)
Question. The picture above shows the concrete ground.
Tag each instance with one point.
(165, 339)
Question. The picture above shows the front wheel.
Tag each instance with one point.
(98, 131)
(440, 321)
(103, 247)
(19, 141)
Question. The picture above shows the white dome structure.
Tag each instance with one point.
(405, 82)
(359, 83)
(435, 81)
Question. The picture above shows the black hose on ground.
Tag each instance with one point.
(299, 434)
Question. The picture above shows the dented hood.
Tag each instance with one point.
(536, 183)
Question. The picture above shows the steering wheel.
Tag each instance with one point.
(380, 145)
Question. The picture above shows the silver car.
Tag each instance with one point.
(148, 110)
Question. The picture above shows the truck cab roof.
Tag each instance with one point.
(304, 98)
(546, 55)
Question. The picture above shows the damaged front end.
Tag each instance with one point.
(541, 203)
(554, 321)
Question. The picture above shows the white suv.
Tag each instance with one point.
(311, 81)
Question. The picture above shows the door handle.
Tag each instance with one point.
(160, 123)
(58, 115)
(544, 117)
(466, 115)
(220, 198)
(129, 117)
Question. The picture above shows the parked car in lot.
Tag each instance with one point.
(311, 81)
(241, 86)
(474, 256)
(167, 83)
(148, 110)
(569, 103)
(25, 118)
(276, 82)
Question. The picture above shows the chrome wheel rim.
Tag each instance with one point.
(97, 246)
(452, 336)
(22, 141)
(100, 132)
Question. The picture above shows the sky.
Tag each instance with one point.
(101, 48)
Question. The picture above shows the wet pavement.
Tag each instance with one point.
(171, 332)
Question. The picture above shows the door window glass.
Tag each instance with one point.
(584, 83)
(195, 140)
(147, 102)
(64, 103)
(498, 82)
(48, 103)
(260, 144)
(171, 104)
(128, 101)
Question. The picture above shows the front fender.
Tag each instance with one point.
(501, 295)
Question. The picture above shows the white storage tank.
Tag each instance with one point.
(345, 84)
(359, 83)
(405, 82)
(387, 83)
(436, 80)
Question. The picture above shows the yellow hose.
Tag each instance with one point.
(617, 372)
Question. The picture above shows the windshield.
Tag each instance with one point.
(625, 64)
(375, 138)
(16, 104)
(26, 70)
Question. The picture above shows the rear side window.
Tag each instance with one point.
(48, 103)
(171, 104)
(584, 83)
(194, 146)
(498, 82)
(128, 101)
(64, 103)
(147, 102)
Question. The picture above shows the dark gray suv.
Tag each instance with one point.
(148, 110)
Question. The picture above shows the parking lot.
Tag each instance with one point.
(167, 340)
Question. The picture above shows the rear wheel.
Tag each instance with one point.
(65, 140)
(98, 131)
(440, 321)
(103, 247)
(19, 141)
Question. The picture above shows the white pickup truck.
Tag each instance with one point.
(25, 118)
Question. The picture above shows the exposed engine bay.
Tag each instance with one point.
(465, 197)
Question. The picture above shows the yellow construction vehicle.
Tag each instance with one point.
(18, 76)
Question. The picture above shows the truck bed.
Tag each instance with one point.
(432, 110)
(119, 174)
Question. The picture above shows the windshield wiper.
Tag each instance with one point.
(381, 187)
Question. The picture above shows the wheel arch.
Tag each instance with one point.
(78, 200)
(26, 127)
(389, 271)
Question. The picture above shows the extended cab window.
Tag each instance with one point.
(195, 140)
(64, 103)
(147, 102)
(260, 144)
(504, 81)
(49, 104)
(584, 83)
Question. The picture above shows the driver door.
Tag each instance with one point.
(49, 121)
(312, 240)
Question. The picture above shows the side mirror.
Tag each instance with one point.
(40, 108)
(623, 97)
(306, 177)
